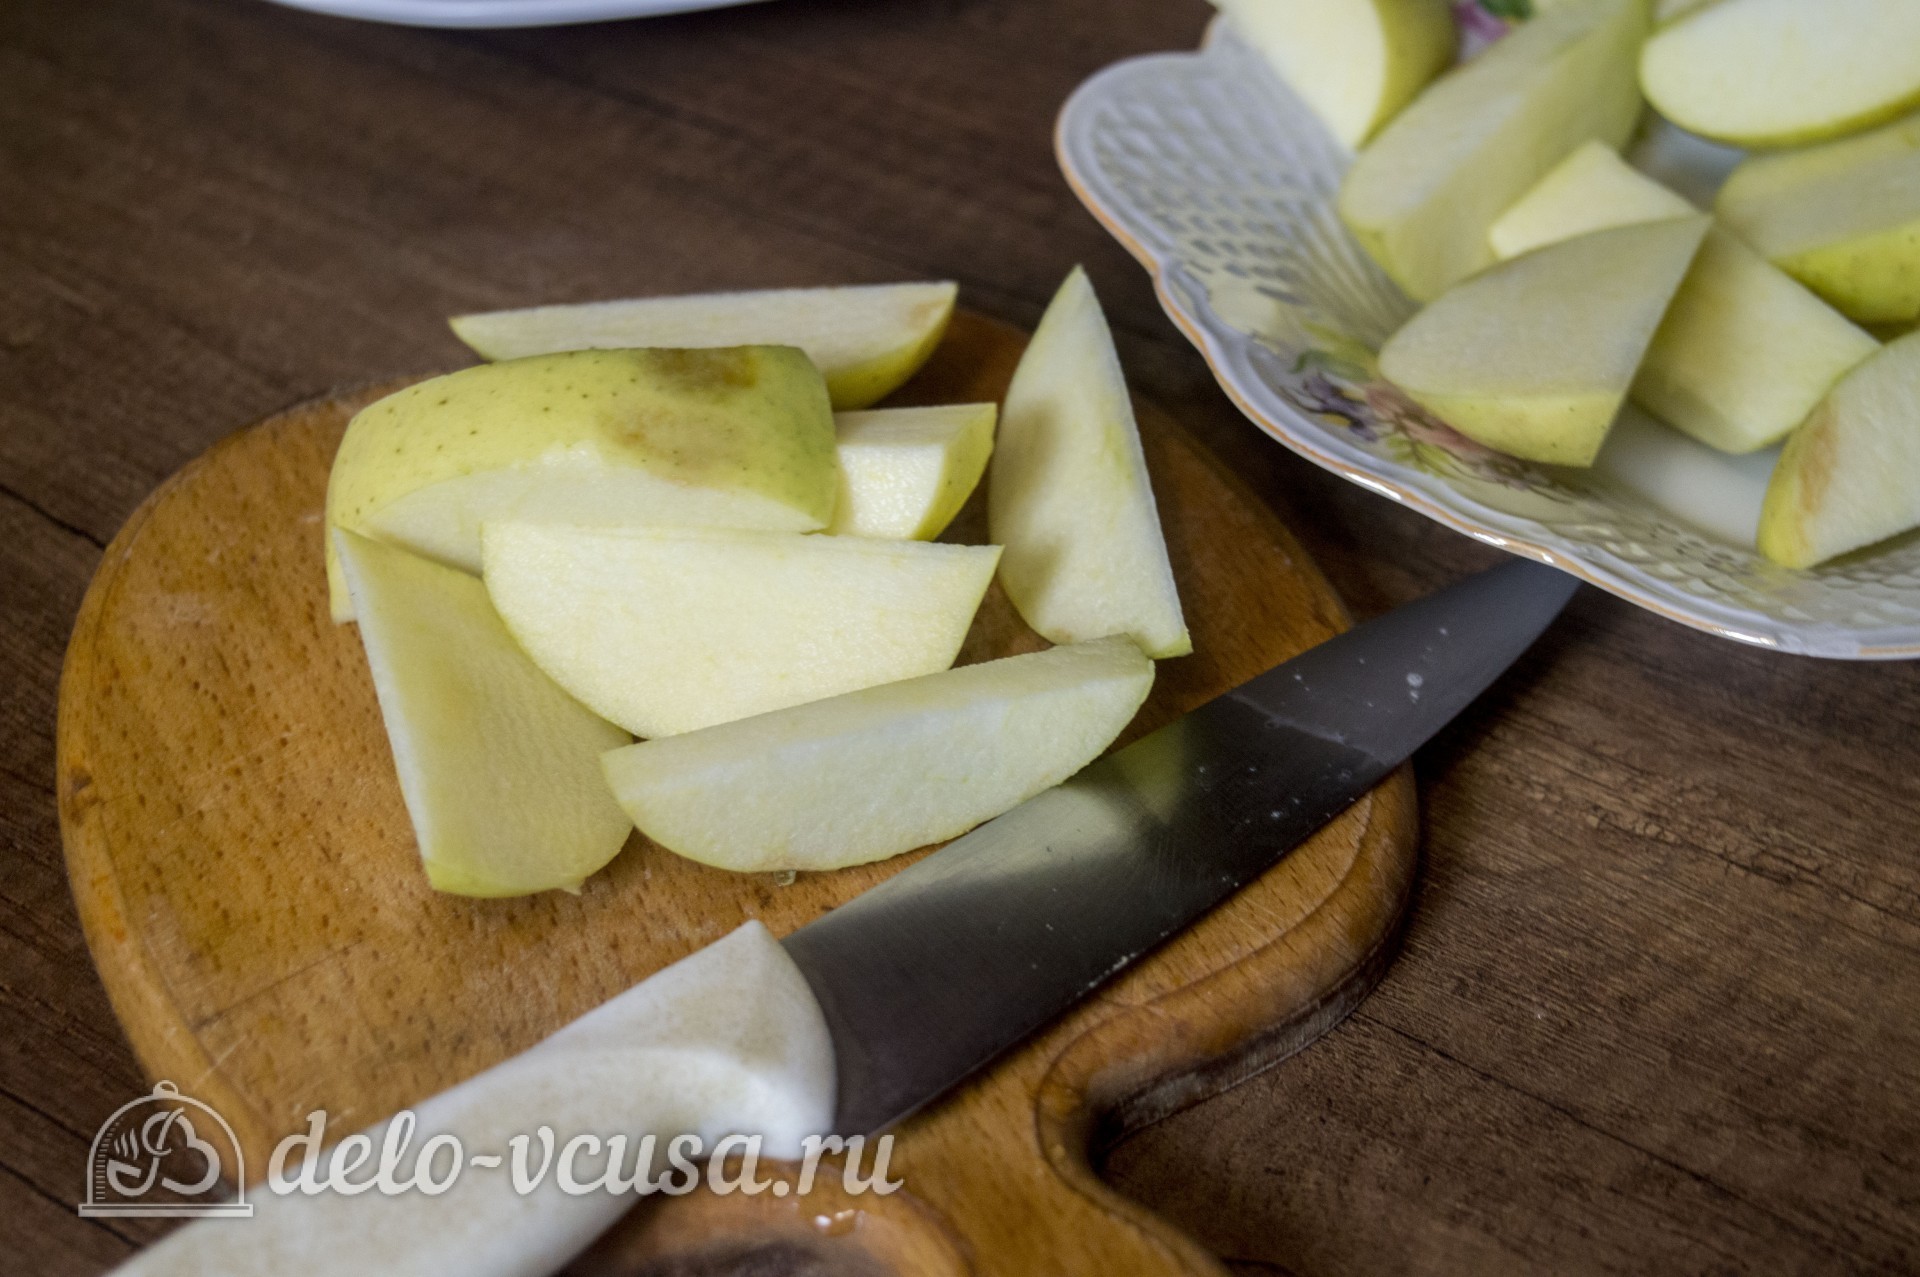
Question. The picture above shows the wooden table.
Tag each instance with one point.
(1659, 1007)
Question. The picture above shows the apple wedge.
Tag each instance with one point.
(1421, 198)
(739, 437)
(867, 339)
(1782, 72)
(1355, 62)
(1850, 477)
(665, 630)
(874, 773)
(905, 472)
(1069, 497)
(1593, 189)
(498, 766)
(1843, 218)
(1509, 360)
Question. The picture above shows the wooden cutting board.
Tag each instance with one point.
(249, 885)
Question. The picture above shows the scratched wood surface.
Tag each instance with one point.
(1659, 1004)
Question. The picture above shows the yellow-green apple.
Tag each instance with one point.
(905, 472)
(498, 766)
(1593, 189)
(665, 630)
(874, 773)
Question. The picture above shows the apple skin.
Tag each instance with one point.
(906, 472)
(866, 339)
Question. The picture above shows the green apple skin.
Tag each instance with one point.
(1768, 73)
(866, 339)
(882, 771)
(1069, 496)
(1850, 477)
(1355, 62)
(731, 437)
(905, 472)
(668, 630)
(1507, 361)
(499, 767)
(1423, 195)
(1593, 189)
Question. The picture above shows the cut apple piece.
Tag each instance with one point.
(1843, 218)
(665, 630)
(1069, 497)
(1354, 62)
(1850, 477)
(739, 437)
(498, 766)
(1508, 360)
(1781, 72)
(867, 339)
(878, 772)
(905, 472)
(1593, 189)
(1422, 197)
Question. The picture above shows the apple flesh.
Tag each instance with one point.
(1354, 62)
(866, 339)
(665, 630)
(878, 772)
(1843, 218)
(905, 472)
(1422, 197)
(1507, 360)
(1782, 72)
(498, 766)
(1069, 497)
(1593, 189)
(1850, 476)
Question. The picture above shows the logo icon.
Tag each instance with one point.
(164, 1154)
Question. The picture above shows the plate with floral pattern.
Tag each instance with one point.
(1222, 183)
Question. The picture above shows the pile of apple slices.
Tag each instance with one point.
(1560, 281)
(646, 519)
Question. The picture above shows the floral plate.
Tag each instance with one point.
(1222, 183)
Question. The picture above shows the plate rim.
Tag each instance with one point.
(501, 14)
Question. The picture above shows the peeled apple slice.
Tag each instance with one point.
(905, 472)
(665, 630)
(499, 767)
(882, 771)
(867, 339)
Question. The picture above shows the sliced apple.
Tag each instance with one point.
(1593, 189)
(1843, 218)
(905, 472)
(867, 339)
(1423, 195)
(878, 772)
(1069, 496)
(739, 437)
(1354, 62)
(498, 766)
(1782, 72)
(1850, 476)
(665, 630)
(1535, 356)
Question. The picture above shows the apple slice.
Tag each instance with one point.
(866, 339)
(739, 437)
(1851, 476)
(1843, 218)
(874, 773)
(498, 766)
(1782, 72)
(1593, 189)
(1069, 495)
(1509, 360)
(1355, 62)
(905, 472)
(1421, 198)
(665, 630)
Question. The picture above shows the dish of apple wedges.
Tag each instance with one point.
(1558, 282)
(678, 520)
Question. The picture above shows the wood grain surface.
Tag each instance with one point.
(1658, 1008)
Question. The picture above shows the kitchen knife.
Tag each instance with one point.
(930, 975)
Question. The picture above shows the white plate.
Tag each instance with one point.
(500, 13)
(1222, 183)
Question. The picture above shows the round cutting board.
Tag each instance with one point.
(249, 886)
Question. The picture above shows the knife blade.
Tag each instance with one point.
(930, 975)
